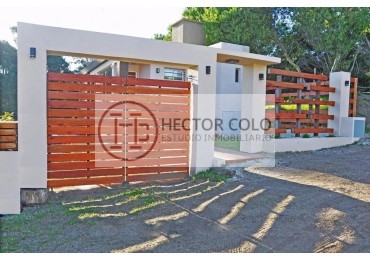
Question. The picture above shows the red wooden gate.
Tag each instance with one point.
(110, 130)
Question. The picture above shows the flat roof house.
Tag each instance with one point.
(58, 136)
(229, 70)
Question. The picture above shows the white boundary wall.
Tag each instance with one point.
(305, 144)
(9, 183)
(27, 168)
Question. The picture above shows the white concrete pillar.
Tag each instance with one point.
(253, 108)
(341, 98)
(203, 108)
(115, 69)
(32, 110)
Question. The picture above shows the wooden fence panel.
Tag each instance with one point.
(300, 102)
(353, 98)
(8, 136)
(77, 105)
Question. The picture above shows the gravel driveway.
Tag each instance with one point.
(311, 202)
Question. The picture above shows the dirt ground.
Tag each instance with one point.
(311, 202)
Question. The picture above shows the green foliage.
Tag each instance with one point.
(236, 25)
(211, 175)
(306, 136)
(367, 129)
(148, 203)
(233, 144)
(164, 37)
(76, 64)
(57, 64)
(325, 39)
(333, 37)
(9, 71)
(331, 135)
(7, 116)
(8, 77)
(293, 107)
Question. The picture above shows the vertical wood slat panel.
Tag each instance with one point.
(353, 98)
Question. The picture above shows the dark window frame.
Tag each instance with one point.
(237, 75)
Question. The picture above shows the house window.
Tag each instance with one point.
(237, 74)
(174, 74)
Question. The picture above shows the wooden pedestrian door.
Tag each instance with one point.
(110, 130)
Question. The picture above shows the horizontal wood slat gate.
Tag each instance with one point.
(110, 130)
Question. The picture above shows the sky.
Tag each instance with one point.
(132, 21)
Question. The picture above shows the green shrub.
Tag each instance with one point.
(7, 116)
(306, 136)
(211, 175)
(293, 107)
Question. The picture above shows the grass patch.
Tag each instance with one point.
(129, 194)
(228, 144)
(148, 203)
(15, 228)
(211, 175)
(96, 210)
(88, 215)
(360, 114)
(8, 244)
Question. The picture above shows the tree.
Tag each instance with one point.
(8, 73)
(307, 39)
(235, 25)
(333, 37)
(57, 64)
(266, 31)
(8, 78)
(80, 64)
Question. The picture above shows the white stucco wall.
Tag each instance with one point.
(28, 167)
(231, 46)
(32, 82)
(9, 182)
(253, 104)
(228, 91)
(305, 144)
(341, 98)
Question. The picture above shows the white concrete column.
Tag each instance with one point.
(341, 98)
(115, 69)
(32, 110)
(203, 108)
(9, 183)
(253, 108)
